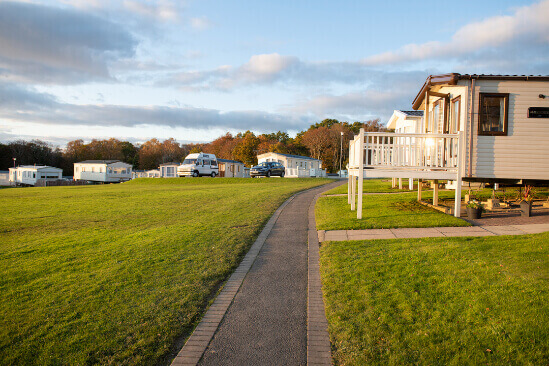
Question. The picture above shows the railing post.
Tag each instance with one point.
(457, 204)
(360, 173)
(353, 192)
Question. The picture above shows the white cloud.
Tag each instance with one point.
(26, 105)
(200, 23)
(528, 27)
(161, 10)
(40, 44)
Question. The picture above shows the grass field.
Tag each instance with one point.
(381, 212)
(114, 274)
(371, 186)
(438, 301)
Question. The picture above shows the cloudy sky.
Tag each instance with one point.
(194, 70)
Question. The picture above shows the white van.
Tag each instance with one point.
(197, 165)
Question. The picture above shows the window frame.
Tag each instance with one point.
(505, 131)
(457, 123)
(442, 104)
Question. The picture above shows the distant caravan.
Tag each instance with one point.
(197, 165)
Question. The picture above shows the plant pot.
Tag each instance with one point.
(474, 213)
(526, 208)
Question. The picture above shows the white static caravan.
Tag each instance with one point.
(488, 128)
(138, 174)
(296, 165)
(169, 170)
(406, 121)
(504, 119)
(153, 173)
(231, 168)
(4, 178)
(30, 174)
(104, 171)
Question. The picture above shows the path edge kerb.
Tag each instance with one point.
(318, 339)
(196, 345)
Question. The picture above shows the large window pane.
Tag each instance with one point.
(493, 114)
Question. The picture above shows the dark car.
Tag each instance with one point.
(267, 169)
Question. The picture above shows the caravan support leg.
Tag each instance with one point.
(457, 205)
(435, 192)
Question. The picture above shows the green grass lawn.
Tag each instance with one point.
(381, 212)
(114, 274)
(438, 301)
(372, 186)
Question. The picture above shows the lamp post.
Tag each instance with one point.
(14, 161)
(340, 153)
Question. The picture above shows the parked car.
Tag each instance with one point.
(197, 165)
(267, 169)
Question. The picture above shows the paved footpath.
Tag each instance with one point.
(260, 316)
(342, 235)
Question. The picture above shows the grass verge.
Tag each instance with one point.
(380, 212)
(443, 301)
(114, 274)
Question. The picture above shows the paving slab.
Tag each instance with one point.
(373, 234)
(335, 235)
(533, 228)
(416, 232)
(465, 231)
(504, 230)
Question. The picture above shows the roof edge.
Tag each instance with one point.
(453, 78)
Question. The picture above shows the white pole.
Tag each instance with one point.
(360, 174)
(353, 193)
(457, 205)
(411, 183)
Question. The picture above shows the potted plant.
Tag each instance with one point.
(526, 202)
(474, 210)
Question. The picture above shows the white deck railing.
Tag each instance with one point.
(416, 155)
(411, 151)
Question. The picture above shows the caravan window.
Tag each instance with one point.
(213, 163)
(493, 113)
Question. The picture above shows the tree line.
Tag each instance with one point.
(322, 141)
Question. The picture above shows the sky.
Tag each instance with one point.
(195, 70)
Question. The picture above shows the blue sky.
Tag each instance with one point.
(194, 70)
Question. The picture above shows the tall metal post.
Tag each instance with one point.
(340, 153)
